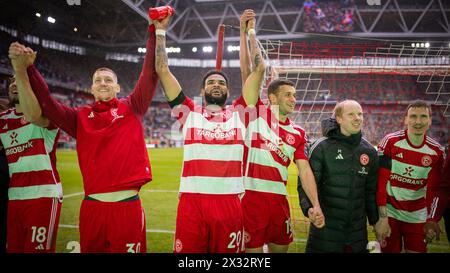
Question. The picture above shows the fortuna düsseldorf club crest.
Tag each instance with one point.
(247, 237)
(178, 245)
(290, 139)
(426, 160)
(364, 159)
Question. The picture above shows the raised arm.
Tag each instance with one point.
(62, 116)
(169, 83)
(21, 57)
(145, 88)
(252, 85)
(244, 54)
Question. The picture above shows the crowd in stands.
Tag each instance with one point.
(381, 120)
(158, 120)
(374, 88)
(328, 16)
(71, 70)
(383, 97)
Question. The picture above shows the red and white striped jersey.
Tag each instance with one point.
(408, 177)
(213, 148)
(269, 147)
(30, 151)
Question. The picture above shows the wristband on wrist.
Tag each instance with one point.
(251, 31)
(161, 32)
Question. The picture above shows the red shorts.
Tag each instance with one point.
(209, 223)
(112, 227)
(33, 225)
(410, 235)
(267, 219)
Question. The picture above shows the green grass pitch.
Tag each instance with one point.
(160, 201)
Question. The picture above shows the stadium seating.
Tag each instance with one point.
(383, 97)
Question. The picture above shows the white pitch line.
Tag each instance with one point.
(73, 194)
(81, 193)
(148, 230)
(437, 245)
(173, 191)
(67, 226)
(160, 231)
(296, 240)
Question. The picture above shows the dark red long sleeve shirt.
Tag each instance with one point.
(110, 139)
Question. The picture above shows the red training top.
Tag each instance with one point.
(110, 140)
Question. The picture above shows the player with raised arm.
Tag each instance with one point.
(271, 141)
(30, 140)
(209, 217)
(111, 153)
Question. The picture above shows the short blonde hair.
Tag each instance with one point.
(105, 69)
(339, 108)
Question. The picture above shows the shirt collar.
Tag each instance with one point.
(101, 106)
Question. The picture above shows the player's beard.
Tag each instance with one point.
(210, 99)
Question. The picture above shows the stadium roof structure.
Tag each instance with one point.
(122, 23)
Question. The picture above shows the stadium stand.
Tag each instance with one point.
(315, 28)
(379, 94)
(328, 16)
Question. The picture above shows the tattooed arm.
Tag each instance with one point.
(244, 54)
(169, 83)
(252, 85)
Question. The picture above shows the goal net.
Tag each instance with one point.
(382, 76)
